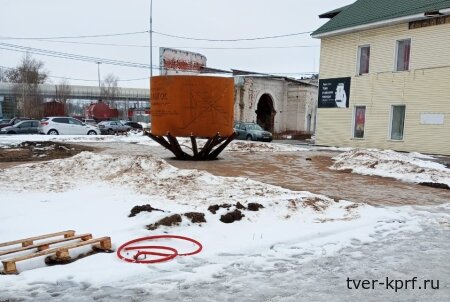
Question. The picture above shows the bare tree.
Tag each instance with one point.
(2, 75)
(27, 76)
(109, 88)
(63, 93)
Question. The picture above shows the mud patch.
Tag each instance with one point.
(253, 206)
(214, 208)
(166, 221)
(231, 217)
(144, 208)
(196, 217)
(435, 185)
(240, 206)
(39, 151)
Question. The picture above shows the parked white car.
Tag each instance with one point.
(65, 126)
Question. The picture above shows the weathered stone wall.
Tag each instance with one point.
(292, 101)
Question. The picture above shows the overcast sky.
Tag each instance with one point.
(212, 19)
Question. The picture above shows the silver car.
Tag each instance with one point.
(56, 125)
(111, 127)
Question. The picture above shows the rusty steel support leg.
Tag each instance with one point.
(176, 148)
(206, 153)
(159, 139)
(212, 142)
(218, 150)
(194, 146)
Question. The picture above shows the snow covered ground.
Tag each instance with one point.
(409, 167)
(300, 246)
(137, 137)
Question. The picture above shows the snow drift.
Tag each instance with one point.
(408, 167)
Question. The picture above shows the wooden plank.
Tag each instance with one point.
(27, 241)
(9, 265)
(45, 245)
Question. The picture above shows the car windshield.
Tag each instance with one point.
(254, 127)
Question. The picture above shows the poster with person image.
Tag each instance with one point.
(334, 93)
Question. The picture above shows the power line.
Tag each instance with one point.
(161, 34)
(61, 55)
(185, 47)
(83, 80)
(50, 53)
(75, 37)
(233, 40)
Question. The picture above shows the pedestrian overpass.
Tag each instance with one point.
(80, 92)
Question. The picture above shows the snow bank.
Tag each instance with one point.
(246, 146)
(409, 167)
(94, 193)
(131, 137)
(139, 138)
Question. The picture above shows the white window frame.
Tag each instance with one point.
(358, 62)
(396, 54)
(390, 123)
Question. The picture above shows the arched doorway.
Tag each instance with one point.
(265, 113)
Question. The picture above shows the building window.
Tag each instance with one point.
(398, 122)
(403, 55)
(360, 122)
(363, 59)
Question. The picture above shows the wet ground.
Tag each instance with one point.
(302, 171)
(39, 151)
(401, 256)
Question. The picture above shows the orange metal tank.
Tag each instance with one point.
(192, 105)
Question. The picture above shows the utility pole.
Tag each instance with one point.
(98, 71)
(151, 38)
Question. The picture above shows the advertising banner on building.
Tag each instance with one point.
(334, 93)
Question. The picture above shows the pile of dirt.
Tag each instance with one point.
(253, 206)
(144, 208)
(166, 221)
(214, 208)
(196, 217)
(231, 217)
(38, 151)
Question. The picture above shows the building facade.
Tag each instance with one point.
(385, 76)
(278, 104)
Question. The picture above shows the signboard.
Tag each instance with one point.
(192, 105)
(334, 93)
(175, 61)
(432, 118)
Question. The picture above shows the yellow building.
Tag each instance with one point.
(385, 76)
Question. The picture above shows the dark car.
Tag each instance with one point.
(252, 132)
(134, 125)
(22, 127)
(14, 121)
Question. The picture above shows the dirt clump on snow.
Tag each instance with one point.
(231, 217)
(214, 208)
(39, 151)
(316, 204)
(435, 185)
(253, 206)
(144, 208)
(196, 217)
(240, 206)
(166, 221)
